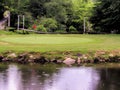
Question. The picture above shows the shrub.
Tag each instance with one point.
(60, 31)
(49, 23)
(72, 29)
(61, 27)
(41, 28)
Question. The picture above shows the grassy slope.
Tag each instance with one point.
(45, 42)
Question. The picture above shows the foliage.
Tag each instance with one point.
(16, 7)
(36, 7)
(3, 32)
(61, 31)
(72, 29)
(81, 9)
(1, 9)
(41, 28)
(55, 9)
(63, 13)
(106, 16)
(28, 19)
(49, 23)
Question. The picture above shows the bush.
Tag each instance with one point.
(61, 31)
(49, 23)
(61, 27)
(72, 29)
(41, 28)
(28, 19)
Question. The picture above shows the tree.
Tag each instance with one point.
(65, 13)
(49, 23)
(15, 7)
(81, 9)
(36, 7)
(55, 9)
(1, 9)
(106, 16)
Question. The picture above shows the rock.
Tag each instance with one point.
(22, 58)
(57, 61)
(100, 52)
(96, 60)
(5, 59)
(12, 55)
(79, 54)
(79, 61)
(1, 57)
(111, 55)
(84, 57)
(87, 61)
(30, 61)
(54, 61)
(69, 61)
(114, 59)
(31, 57)
(41, 60)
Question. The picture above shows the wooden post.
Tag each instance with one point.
(23, 22)
(84, 25)
(18, 22)
(9, 20)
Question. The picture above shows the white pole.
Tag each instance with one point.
(84, 25)
(9, 20)
(18, 23)
(23, 21)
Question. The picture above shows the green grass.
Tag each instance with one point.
(46, 39)
(58, 42)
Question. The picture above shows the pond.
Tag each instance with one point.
(16, 77)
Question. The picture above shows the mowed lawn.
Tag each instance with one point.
(59, 42)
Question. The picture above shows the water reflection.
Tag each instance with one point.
(11, 79)
(32, 82)
(74, 78)
(14, 79)
(109, 79)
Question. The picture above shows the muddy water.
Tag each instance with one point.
(14, 77)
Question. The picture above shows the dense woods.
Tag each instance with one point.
(106, 17)
(72, 16)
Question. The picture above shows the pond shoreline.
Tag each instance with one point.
(67, 57)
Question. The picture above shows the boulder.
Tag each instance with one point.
(41, 60)
(1, 57)
(56, 61)
(12, 55)
(69, 61)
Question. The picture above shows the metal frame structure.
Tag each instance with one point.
(18, 24)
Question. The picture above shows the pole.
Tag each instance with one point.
(23, 21)
(84, 25)
(18, 22)
(9, 20)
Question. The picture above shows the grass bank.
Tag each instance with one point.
(58, 42)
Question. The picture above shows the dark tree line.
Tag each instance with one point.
(106, 17)
(65, 15)
(49, 15)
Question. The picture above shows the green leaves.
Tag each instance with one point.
(82, 9)
(65, 13)
(57, 10)
(107, 16)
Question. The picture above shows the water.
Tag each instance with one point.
(14, 77)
